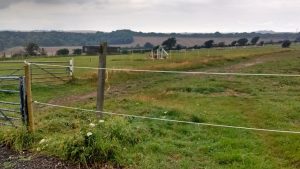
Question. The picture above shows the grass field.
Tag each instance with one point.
(262, 102)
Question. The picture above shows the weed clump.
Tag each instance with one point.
(104, 142)
(18, 139)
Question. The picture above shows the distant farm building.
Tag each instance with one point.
(94, 50)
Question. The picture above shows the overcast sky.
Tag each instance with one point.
(151, 15)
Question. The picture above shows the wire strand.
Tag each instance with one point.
(178, 72)
(170, 120)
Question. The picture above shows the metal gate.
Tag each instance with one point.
(45, 74)
(13, 110)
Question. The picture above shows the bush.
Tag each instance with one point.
(233, 43)
(221, 44)
(169, 43)
(255, 40)
(242, 42)
(77, 51)
(209, 44)
(63, 52)
(286, 44)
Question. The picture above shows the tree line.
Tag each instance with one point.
(171, 43)
(33, 49)
(10, 39)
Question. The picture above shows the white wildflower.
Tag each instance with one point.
(101, 121)
(166, 112)
(42, 141)
(89, 134)
(92, 125)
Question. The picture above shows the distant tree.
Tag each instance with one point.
(286, 44)
(298, 39)
(32, 49)
(169, 43)
(209, 44)
(255, 40)
(77, 51)
(148, 45)
(242, 42)
(233, 43)
(217, 34)
(221, 44)
(63, 52)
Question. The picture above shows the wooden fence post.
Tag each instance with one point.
(29, 97)
(101, 78)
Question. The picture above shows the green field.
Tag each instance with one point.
(260, 102)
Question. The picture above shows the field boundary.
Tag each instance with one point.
(179, 72)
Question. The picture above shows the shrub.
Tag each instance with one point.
(242, 42)
(77, 51)
(63, 52)
(106, 142)
(209, 44)
(286, 44)
(255, 40)
(169, 43)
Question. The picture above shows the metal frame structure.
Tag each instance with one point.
(41, 74)
(159, 53)
(18, 113)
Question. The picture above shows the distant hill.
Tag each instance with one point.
(266, 32)
(9, 39)
(125, 38)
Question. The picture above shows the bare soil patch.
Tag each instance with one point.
(25, 160)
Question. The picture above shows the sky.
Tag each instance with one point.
(151, 15)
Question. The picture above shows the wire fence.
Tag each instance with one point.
(179, 72)
(170, 120)
(55, 66)
(174, 72)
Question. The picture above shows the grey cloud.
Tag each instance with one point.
(152, 15)
(7, 3)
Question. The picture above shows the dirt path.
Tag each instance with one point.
(26, 160)
(256, 60)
